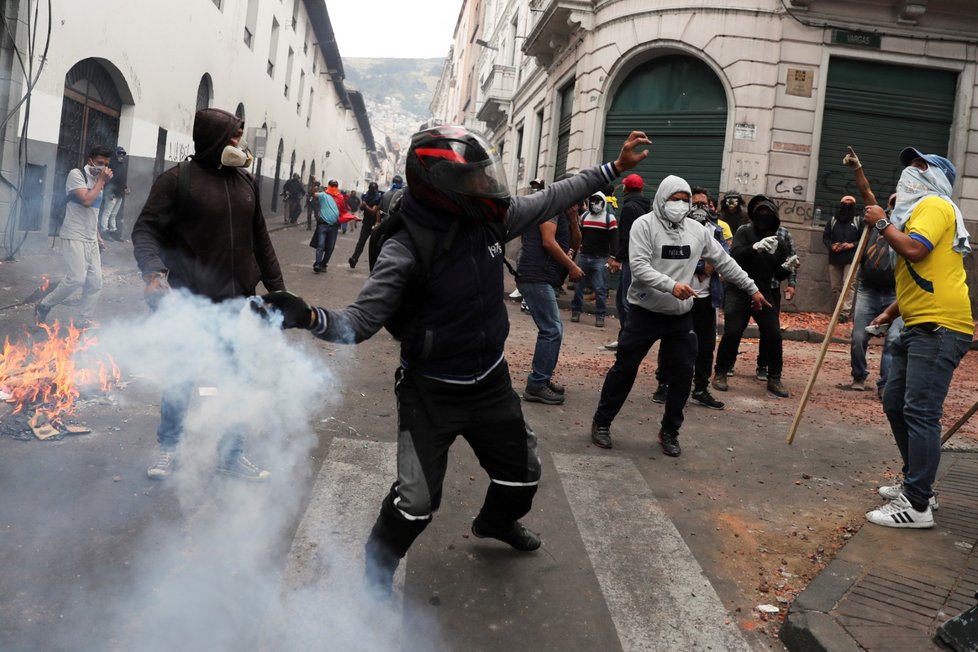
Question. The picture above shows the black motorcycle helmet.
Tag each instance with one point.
(453, 170)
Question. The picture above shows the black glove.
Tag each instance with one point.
(296, 313)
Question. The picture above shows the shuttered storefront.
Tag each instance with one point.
(879, 109)
(680, 104)
(564, 129)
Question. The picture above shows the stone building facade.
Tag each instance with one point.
(754, 96)
(133, 73)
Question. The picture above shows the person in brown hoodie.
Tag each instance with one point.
(211, 240)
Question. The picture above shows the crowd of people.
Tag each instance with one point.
(437, 283)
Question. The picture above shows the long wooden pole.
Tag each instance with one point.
(960, 422)
(870, 199)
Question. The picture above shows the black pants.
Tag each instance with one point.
(295, 209)
(368, 227)
(643, 329)
(705, 327)
(431, 415)
(762, 352)
(737, 311)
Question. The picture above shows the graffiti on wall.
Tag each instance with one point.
(176, 151)
(747, 171)
(790, 187)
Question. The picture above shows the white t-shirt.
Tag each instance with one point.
(81, 222)
(702, 288)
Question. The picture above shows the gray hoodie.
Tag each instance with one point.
(662, 254)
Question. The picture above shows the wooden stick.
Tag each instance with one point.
(960, 422)
(870, 199)
(828, 335)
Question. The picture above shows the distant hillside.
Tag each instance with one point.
(411, 80)
(397, 93)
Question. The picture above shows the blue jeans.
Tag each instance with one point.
(541, 299)
(594, 271)
(871, 301)
(325, 242)
(173, 413)
(923, 359)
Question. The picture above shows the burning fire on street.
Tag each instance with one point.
(43, 378)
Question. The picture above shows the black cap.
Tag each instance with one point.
(397, 179)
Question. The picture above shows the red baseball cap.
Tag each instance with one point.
(633, 182)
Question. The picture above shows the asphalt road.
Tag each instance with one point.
(637, 548)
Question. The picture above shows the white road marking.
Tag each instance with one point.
(657, 593)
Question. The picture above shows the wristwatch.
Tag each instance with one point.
(881, 225)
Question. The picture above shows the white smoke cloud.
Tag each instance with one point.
(207, 573)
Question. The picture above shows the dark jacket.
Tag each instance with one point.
(840, 229)
(219, 246)
(294, 191)
(463, 315)
(634, 205)
(535, 264)
(761, 266)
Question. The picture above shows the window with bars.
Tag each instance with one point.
(273, 48)
(251, 20)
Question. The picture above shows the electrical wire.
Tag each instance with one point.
(31, 80)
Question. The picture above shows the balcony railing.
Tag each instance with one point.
(497, 94)
(559, 20)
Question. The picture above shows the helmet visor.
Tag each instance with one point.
(451, 169)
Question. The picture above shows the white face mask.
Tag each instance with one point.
(596, 206)
(236, 157)
(676, 210)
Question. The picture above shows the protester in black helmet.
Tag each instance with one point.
(453, 378)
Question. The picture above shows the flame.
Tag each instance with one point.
(47, 374)
(45, 284)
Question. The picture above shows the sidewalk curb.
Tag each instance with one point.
(808, 626)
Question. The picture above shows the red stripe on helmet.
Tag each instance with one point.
(449, 154)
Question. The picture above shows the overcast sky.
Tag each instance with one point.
(410, 29)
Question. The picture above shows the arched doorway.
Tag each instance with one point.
(278, 174)
(240, 112)
(302, 175)
(312, 169)
(205, 92)
(292, 166)
(680, 103)
(89, 116)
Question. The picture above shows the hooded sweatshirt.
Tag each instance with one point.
(599, 230)
(762, 267)
(218, 245)
(662, 254)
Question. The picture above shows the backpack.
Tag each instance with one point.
(876, 266)
(390, 201)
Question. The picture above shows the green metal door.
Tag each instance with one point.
(879, 109)
(564, 129)
(680, 104)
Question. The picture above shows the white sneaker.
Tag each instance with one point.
(891, 492)
(900, 513)
(243, 469)
(162, 466)
(515, 294)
